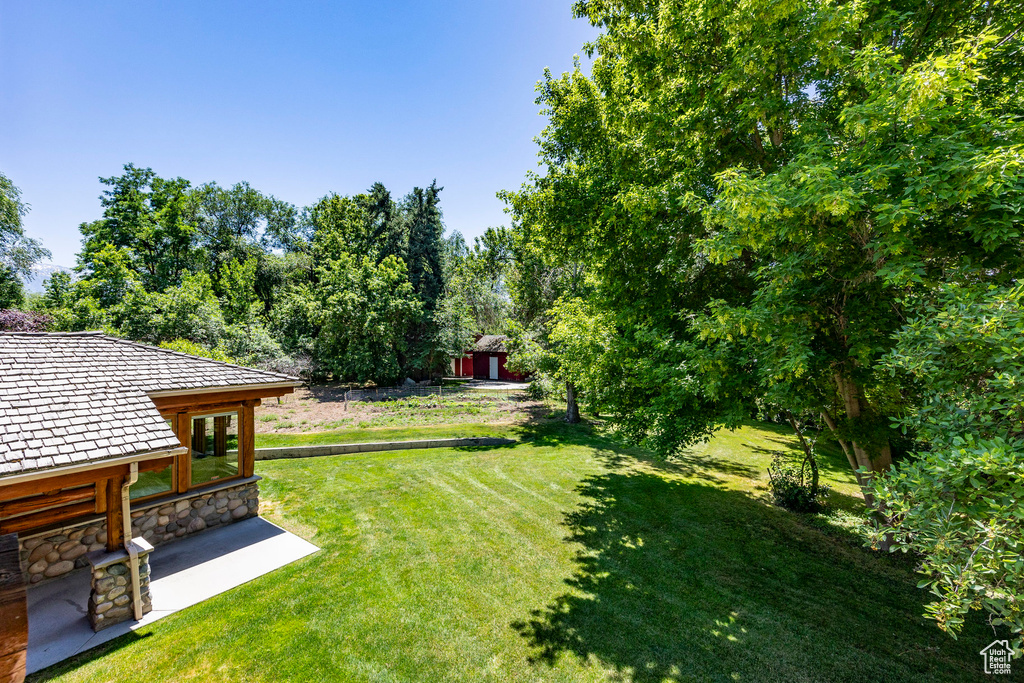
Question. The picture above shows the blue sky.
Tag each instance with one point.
(299, 99)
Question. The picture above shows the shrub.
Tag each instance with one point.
(194, 349)
(13, 320)
(792, 489)
(251, 345)
(539, 389)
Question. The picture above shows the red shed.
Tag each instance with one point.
(490, 358)
(463, 367)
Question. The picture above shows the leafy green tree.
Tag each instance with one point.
(189, 311)
(364, 310)
(151, 219)
(421, 213)
(18, 253)
(477, 280)
(295, 319)
(238, 282)
(340, 224)
(757, 187)
(959, 504)
(57, 290)
(387, 232)
(109, 276)
(12, 293)
(231, 221)
(194, 349)
(454, 325)
(251, 344)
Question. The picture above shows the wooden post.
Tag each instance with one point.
(115, 514)
(101, 496)
(199, 435)
(183, 469)
(13, 613)
(247, 439)
(220, 436)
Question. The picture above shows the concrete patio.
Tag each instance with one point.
(184, 573)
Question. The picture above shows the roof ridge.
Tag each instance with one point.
(83, 333)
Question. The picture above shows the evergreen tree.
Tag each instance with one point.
(426, 234)
(387, 234)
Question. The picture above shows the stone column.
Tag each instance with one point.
(111, 599)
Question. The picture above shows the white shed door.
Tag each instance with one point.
(494, 367)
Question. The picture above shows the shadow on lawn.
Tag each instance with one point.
(60, 668)
(681, 581)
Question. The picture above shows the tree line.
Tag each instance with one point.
(362, 288)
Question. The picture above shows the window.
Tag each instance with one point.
(214, 448)
(152, 482)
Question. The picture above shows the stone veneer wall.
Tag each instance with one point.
(59, 551)
(111, 599)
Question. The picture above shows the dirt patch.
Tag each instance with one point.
(323, 408)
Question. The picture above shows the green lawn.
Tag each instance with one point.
(564, 558)
(356, 435)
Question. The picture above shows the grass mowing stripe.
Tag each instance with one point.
(665, 570)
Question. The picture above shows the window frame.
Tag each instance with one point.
(216, 412)
(162, 494)
(181, 425)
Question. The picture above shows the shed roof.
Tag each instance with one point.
(491, 343)
(73, 398)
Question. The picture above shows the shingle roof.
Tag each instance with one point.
(491, 343)
(81, 397)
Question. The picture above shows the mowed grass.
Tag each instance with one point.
(357, 435)
(564, 558)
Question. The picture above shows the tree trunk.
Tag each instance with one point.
(850, 457)
(857, 452)
(572, 411)
(879, 461)
(809, 458)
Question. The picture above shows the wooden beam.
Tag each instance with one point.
(48, 500)
(183, 472)
(59, 481)
(247, 440)
(37, 520)
(200, 410)
(156, 465)
(196, 402)
(13, 613)
(115, 514)
(101, 496)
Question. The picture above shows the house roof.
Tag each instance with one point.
(74, 398)
(491, 343)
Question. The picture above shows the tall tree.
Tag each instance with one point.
(363, 310)
(757, 188)
(426, 231)
(387, 233)
(18, 253)
(150, 218)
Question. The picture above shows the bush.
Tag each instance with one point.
(194, 349)
(13, 320)
(792, 488)
(250, 345)
(539, 389)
